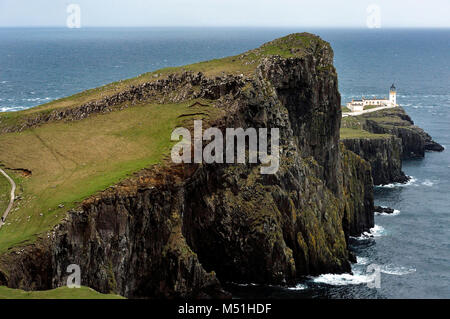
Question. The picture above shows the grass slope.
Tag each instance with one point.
(71, 161)
(348, 133)
(345, 109)
(58, 293)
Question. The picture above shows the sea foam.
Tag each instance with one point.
(412, 181)
(298, 287)
(376, 231)
(395, 213)
(361, 275)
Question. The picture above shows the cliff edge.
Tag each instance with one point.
(179, 230)
(385, 138)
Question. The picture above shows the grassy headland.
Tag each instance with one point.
(71, 161)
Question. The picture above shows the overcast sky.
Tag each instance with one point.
(270, 13)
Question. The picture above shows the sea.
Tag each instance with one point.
(407, 254)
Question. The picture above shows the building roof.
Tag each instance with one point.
(393, 87)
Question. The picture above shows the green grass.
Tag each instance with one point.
(354, 122)
(369, 107)
(349, 133)
(345, 109)
(58, 293)
(72, 161)
(390, 120)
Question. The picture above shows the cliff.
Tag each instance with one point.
(179, 230)
(384, 155)
(395, 121)
(385, 138)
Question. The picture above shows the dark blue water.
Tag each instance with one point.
(411, 249)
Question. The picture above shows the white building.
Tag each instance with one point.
(359, 105)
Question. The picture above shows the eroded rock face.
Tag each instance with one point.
(383, 154)
(395, 121)
(177, 231)
(400, 140)
(358, 194)
(175, 88)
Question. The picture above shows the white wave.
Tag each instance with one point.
(36, 99)
(298, 287)
(427, 182)
(362, 260)
(360, 276)
(12, 108)
(344, 279)
(396, 270)
(3, 82)
(412, 181)
(376, 231)
(395, 213)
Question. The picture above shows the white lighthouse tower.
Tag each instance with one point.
(393, 96)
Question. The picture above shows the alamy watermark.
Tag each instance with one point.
(74, 17)
(373, 16)
(74, 279)
(235, 146)
(375, 279)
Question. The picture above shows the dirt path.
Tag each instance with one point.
(11, 202)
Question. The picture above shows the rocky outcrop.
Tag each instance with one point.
(179, 230)
(172, 89)
(394, 138)
(395, 121)
(384, 210)
(384, 155)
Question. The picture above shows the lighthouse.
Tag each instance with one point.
(372, 104)
(393, 96)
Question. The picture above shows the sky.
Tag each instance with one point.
(251, 13)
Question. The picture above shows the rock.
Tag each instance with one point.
(384, 210)
(396, 138)
(352, 257)
(384, 155)
(395, 121)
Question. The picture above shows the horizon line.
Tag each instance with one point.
(226, 26)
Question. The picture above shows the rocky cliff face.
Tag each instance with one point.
(384, 155)
(358, 194)
(395, 121)
(178, 230)
(394, 138)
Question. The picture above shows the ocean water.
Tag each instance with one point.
(411, 248)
